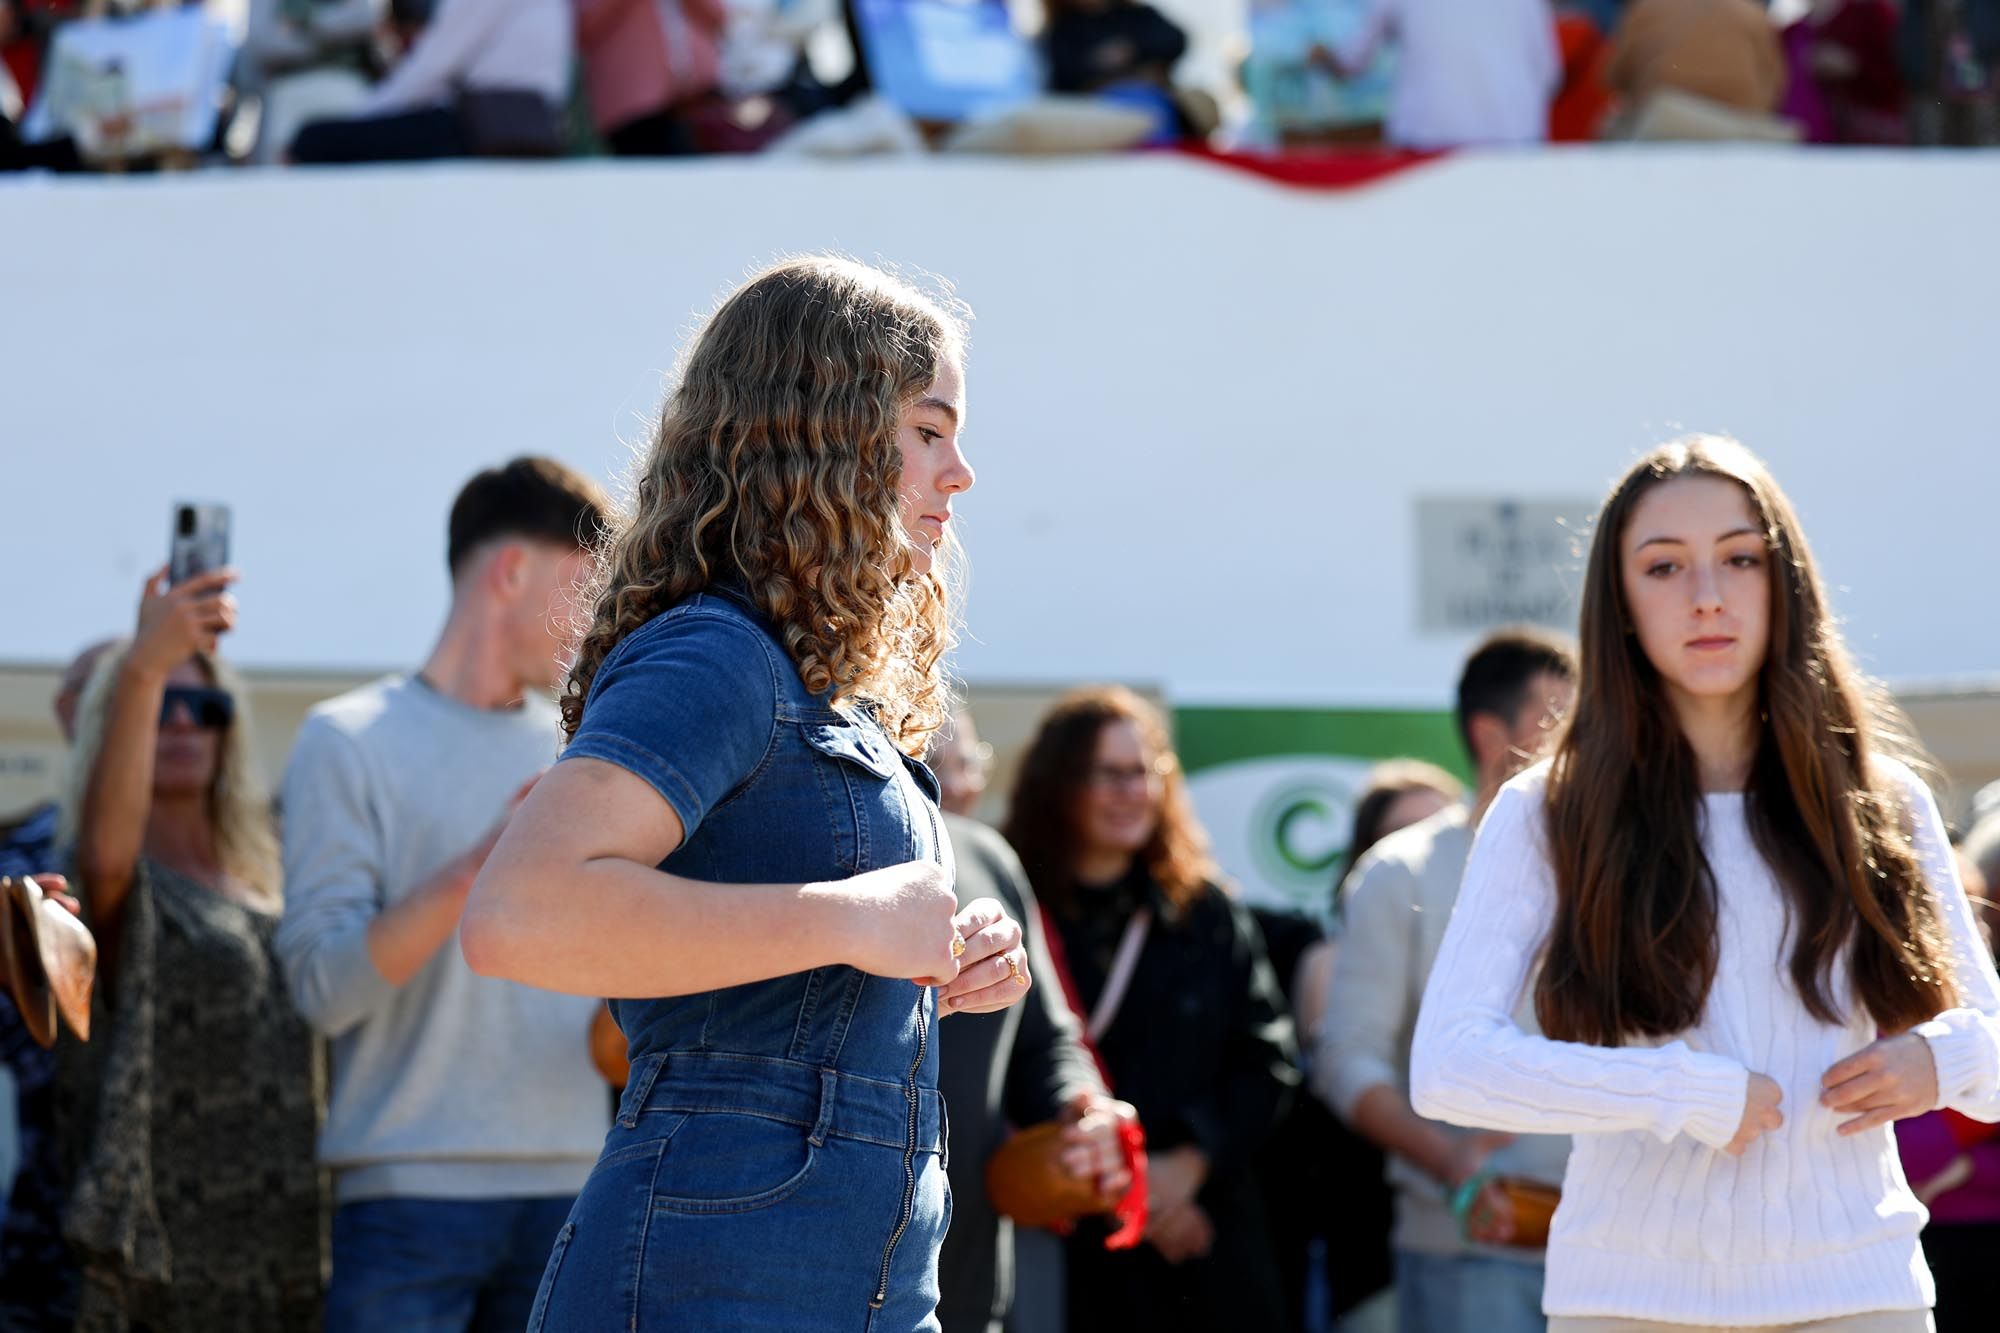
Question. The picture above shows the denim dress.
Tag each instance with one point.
(778, 1159)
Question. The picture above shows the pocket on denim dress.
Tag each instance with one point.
(863, 811)
(732, 1162)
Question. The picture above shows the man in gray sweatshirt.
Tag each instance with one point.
(1450, 1278)
(465, 1111)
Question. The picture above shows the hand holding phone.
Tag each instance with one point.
(178, 621)
(199, 542)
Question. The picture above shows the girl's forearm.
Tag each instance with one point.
(616, 928)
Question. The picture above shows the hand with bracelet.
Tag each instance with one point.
(1484, 1215)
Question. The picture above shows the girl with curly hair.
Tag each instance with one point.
(739, 846)
(1738, 917)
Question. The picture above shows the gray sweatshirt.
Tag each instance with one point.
(1394, 925)
(452, 1085)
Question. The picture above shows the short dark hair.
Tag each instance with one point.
(537, 499)
(1496, 675)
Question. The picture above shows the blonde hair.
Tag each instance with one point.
(239, 801)
(775, 464)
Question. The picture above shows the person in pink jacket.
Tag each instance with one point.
(646, 62)
(1953, 1166)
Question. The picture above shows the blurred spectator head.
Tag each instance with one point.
(519, 547)
(961, 762)
(1400, 792)
(1981, 848)
(1515, 687)
(69, 689)
(1976, 884)
(204, 761)
(777, 468)
(1100, 783)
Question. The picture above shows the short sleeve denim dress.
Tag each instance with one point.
(778, 1158)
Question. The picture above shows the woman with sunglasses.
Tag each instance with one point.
(189, 1118)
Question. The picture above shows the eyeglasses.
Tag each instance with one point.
(212, 709)
(1113, 777)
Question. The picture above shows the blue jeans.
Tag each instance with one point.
(439, 1265)
(740, 1194)
(1472, 1293)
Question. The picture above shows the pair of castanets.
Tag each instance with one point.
(50, 960)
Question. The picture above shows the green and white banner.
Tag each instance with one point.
(1276, 787)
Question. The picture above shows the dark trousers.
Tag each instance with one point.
(56, 155)
(1322, 1182)
(412, 136)
(661, 134)
(1235, 1287)
(1965, 1260)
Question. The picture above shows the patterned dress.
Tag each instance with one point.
(191, 1115)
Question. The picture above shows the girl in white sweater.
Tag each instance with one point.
(1743, 932)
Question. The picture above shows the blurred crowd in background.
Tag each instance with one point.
(145, 84)
(299, 1108)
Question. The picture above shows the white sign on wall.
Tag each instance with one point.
(1482, 563)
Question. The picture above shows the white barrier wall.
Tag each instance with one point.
(1202, 406)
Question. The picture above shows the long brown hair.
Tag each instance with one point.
(1633, 949)
(1041, 817)
(775, 465)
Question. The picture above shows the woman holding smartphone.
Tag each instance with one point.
(738, 846)
(188, 1120)
(1743, 931)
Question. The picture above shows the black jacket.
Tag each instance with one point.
(1018, 1067)
(1202, 1046)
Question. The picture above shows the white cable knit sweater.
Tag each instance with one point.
(1656, 1222)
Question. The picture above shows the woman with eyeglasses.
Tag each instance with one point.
(1186, 1015)
(189, 1118)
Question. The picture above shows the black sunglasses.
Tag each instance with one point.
(210, 708)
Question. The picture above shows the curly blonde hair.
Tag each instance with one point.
(239, 799)
(775, 465)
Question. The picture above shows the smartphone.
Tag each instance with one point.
(200, 540)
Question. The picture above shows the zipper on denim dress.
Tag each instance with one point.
(916, 1102)
(909, 1165)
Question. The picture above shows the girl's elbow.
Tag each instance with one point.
(488, 932)
(1427, 1099)
(482, 940)
(1429, 1090)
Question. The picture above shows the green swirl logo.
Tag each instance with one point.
(1300, 832)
